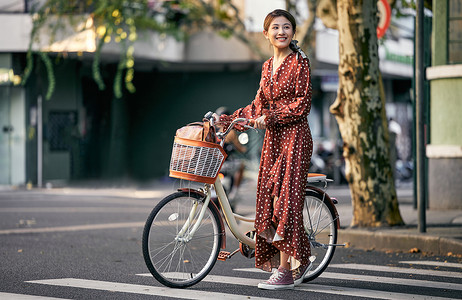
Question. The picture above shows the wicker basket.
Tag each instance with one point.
(196, 160)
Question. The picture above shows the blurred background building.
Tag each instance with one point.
(88, 134)
(444, 147)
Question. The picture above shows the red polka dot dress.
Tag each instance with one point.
(284, 97)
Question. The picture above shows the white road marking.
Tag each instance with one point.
(387, 280)
(396, 270)
(128, 193)
(395, 281)
(252, 270)
(433, 263)
(72, 228)
(319, 288)
(11, 296)
(141, 289)
(74, 210)
(375, 294)
(151, 202)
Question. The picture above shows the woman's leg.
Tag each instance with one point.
(284, 260)
(284, 257)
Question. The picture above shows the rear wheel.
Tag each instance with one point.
(174, 256)
(321, 226)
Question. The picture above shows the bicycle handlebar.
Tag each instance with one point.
(250, 124)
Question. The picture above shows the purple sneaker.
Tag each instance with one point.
(282, 279)
(300, 272)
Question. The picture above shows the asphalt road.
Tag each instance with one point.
(87, 245)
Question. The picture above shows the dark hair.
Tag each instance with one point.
(278, 13)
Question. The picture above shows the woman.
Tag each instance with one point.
(282, 105)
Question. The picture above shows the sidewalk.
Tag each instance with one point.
(444, 228)
(443, 234)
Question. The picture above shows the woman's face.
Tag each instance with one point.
(280, 32)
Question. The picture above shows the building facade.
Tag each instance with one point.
(84, 133)
(444, 149)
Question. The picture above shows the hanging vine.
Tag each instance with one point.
(118, 21)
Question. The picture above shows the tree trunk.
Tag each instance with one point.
(360, 113)
(116, 163)
(307, 29)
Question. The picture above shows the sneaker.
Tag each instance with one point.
(281, 279)
(300, 272)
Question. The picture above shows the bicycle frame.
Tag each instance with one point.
(229, 215)
(185, 227)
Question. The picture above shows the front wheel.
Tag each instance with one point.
(174, 255)
(320, 222)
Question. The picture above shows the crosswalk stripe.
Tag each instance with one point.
(396, 270)
(140, 289)
(72, 228)
(387, 280)
(319, 288)
(395, 281)
(433, 263)
(11, 296)
(89, 209)
(375, 294)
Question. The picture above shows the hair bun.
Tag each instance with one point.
(295, 47)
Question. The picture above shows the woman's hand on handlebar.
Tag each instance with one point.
(215, 117)
(260, 122)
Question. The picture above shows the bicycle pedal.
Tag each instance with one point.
(223, 255)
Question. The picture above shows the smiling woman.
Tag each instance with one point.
(279, 30)
(281, 106)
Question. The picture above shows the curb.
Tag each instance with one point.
(405, 242)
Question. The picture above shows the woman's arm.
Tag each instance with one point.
(300, 107)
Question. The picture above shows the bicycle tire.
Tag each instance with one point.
(175, 261)
(320, 222)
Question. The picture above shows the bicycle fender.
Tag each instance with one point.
(203, 196)
(192, 191)
(326, 198)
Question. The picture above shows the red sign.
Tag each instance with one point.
(384, 17)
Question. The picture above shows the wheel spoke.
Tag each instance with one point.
(181, 261)
(319, 221)
(157, 251)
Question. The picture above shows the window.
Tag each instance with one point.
(455, 32)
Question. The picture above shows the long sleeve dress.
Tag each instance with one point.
(284, 96)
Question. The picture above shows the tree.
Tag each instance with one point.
(121, 21)
(116, 20)
(360, 112)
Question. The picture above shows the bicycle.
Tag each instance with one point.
(184, 234)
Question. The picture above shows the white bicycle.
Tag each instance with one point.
(184, 234)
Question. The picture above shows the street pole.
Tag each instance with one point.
(39, 142)
(420, 117)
